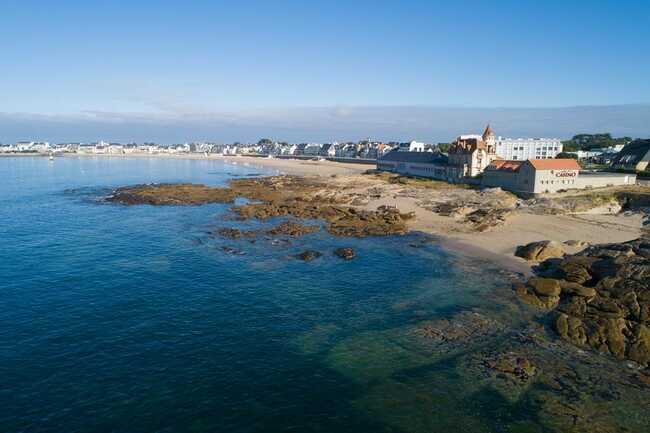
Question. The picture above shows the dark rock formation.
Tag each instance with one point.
(309, 255)
(601, 298)
(345, 253)
(235, 233)
(274, 196)
(512, 364)
(488, 218)
(291, 228)
(540, 251)
(172, 194)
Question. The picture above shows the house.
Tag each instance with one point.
(634, 156)
(311, 149)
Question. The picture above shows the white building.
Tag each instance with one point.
(536, 176)
(521, 149)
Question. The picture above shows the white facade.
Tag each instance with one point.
(521, 149)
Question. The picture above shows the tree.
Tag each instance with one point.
(566, 155)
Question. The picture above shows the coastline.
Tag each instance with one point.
(496, 245)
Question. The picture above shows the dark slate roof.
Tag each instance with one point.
(416, 157)
(632, 153)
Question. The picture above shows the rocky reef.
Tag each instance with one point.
(277, 196)
(600, 298)
(171, 194)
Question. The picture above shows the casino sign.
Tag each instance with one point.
(566, 173)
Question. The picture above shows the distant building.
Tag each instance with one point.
(421, 164)
(521, 149)
(634, 156)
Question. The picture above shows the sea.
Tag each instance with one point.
(140, 319)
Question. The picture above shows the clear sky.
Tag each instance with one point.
(194, 59)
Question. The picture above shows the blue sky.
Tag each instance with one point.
(152, 62)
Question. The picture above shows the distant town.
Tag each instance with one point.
(521, 165)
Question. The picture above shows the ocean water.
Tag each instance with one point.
(133, 319)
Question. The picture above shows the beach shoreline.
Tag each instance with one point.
(496, 245)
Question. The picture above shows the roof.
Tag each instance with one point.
(488, 131)
(503, 165)
(421, 157)
(632, 153)
(555, 164)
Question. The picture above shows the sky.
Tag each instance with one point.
(316, 70)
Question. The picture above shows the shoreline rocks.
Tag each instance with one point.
(277, 196)
(600, 298)
(540, 251)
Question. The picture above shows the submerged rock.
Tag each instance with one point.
(517, 366)
(309, 255)
(345, 253)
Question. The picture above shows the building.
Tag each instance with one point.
(473, 153)
(634, 156)
(541, 176)
(421, 164)
(521, 149)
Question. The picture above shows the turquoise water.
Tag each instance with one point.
(132, 319)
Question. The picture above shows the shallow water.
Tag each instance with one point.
(133, 319)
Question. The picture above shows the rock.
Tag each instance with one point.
(309, 255)
(605, 303)
(640, 347)
(575, 243)
(540, 251)
(512, 364)
(172, 194)
(575, 269)
(545, 286)
(345, 253)
(576, 289)
(487, 218)
(291, 228)
(235, 233)
(528, 295)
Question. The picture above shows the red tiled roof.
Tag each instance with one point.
(504, 165)
(555, 164)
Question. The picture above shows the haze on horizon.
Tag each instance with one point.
(167, 71)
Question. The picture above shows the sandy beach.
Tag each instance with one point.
(498, 244)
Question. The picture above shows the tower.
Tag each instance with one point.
(490, 140)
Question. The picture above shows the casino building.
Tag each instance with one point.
(542, 176)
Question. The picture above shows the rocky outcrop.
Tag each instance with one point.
(540, 292)
(277, 196)
(309, 255)
(172, 194)
(540, 251)
(231, 233)
(512, 364)
(488, 218)
(345, 253)
(600, 297)
(292, 228)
